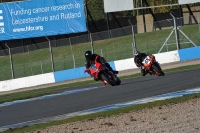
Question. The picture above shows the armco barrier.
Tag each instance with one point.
(75, 73)
(30, 81)
(125, 64)
(162, 58)
(167, 57)
(70, 74)
(189, 53)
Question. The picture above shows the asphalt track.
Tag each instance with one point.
(129, 90)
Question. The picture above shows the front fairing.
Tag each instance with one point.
(148, 61)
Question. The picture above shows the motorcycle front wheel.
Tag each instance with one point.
(106, 77)
(118, 82)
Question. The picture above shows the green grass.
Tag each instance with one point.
(39, 61)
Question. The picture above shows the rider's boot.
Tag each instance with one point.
(150, 73)
(96, 79)
(115, 72)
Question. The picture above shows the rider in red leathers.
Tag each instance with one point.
(90, 59)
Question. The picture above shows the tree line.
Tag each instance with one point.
(96, 8)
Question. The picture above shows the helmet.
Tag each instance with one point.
(137, 53)
(88, 54)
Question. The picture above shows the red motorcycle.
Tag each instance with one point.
(102, 73)
(152, 66)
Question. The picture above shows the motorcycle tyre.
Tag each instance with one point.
(118, 82)
(157, 68)
(104, 76)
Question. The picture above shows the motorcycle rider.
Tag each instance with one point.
(90, 59)
(138, 61)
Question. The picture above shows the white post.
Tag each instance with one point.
(11, 63)
(41, 66)
(198, 24)
(176, 32)
(134, 40)
(73, 57)
(91, 41)
(101, 52)
(74, 61)
(51, 54)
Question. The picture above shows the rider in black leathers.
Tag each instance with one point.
(90, 58)
(138, 61)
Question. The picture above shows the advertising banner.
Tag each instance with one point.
(37, 18)
(118, 5)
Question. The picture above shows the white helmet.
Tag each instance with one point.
(137, 53)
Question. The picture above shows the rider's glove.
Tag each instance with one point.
(89, 73)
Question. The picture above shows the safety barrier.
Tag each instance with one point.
(189, 53)
(71, 74)
(30, 81)
(162, 58)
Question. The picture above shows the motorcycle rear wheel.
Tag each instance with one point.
(106, 77)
